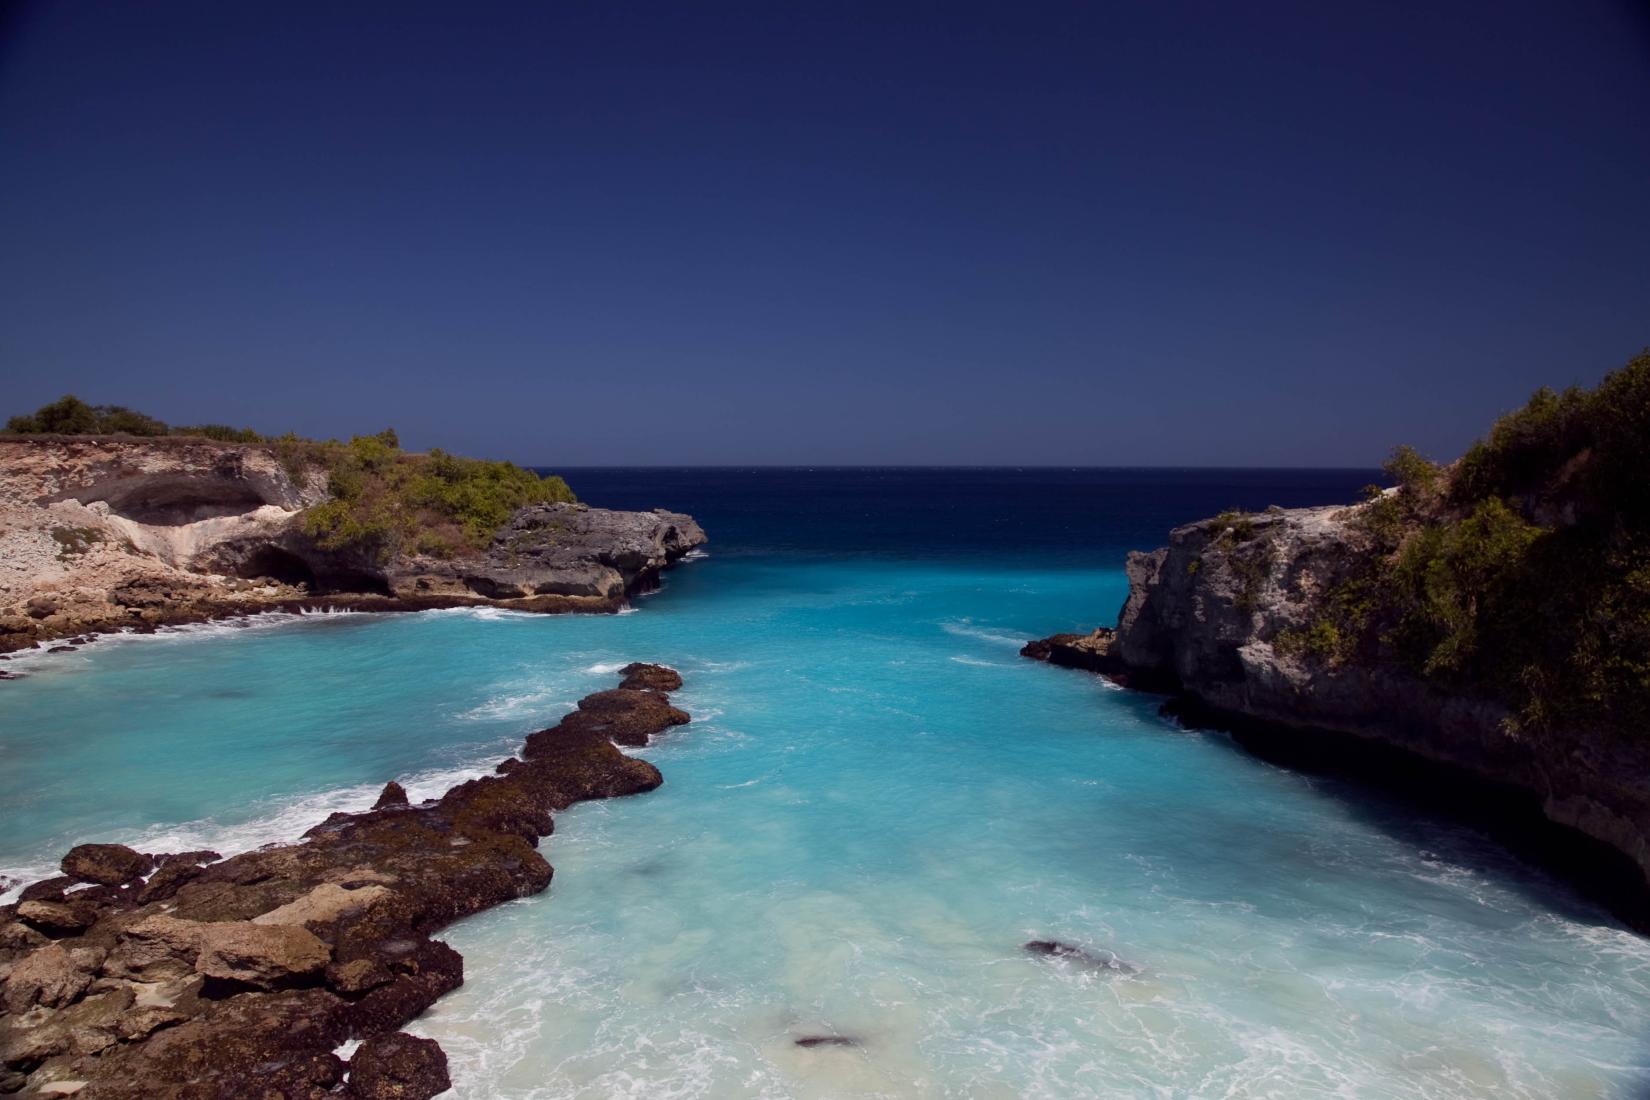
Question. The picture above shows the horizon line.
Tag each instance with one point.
(929, 466)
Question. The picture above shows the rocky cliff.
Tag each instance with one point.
(103, 533)
(1216, 619)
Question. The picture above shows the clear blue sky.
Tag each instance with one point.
(636, 232)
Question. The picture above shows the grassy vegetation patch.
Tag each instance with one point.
(383, 500)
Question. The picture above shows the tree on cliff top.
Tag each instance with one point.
(69, 415)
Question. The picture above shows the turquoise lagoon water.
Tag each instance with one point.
(877, 804)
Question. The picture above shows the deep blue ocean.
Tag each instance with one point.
(877, 804)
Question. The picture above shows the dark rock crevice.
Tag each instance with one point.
(273, 562)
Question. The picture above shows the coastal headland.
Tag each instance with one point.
(184, 975)
(108, 533)
(1480, 630)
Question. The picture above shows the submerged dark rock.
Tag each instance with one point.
(1082, 956)
(811, 1041)
(255, 968)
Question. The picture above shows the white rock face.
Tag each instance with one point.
(80, 518)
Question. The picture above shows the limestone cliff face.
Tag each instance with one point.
(1203, 617)
(97, 533)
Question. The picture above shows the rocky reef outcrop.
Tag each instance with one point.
(101, 534)
(157, 977)
(1209, 618)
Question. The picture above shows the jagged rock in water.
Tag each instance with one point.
(650, 677)
(393, 794)
(252, 969)
(625, 715)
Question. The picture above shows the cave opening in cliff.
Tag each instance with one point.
(163, 501)
(277, 564)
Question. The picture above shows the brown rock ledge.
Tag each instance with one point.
(240, 977)
(1094, 652)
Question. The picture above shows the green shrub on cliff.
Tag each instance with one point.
(382, 500)
(1521, 573)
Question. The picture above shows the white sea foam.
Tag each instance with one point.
(720, 666)
(40, 659)
(495, 614)
(966, 629)
(534, 704)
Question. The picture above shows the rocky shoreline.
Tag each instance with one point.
(1206, 622)
(184, 975)
(106, 534)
